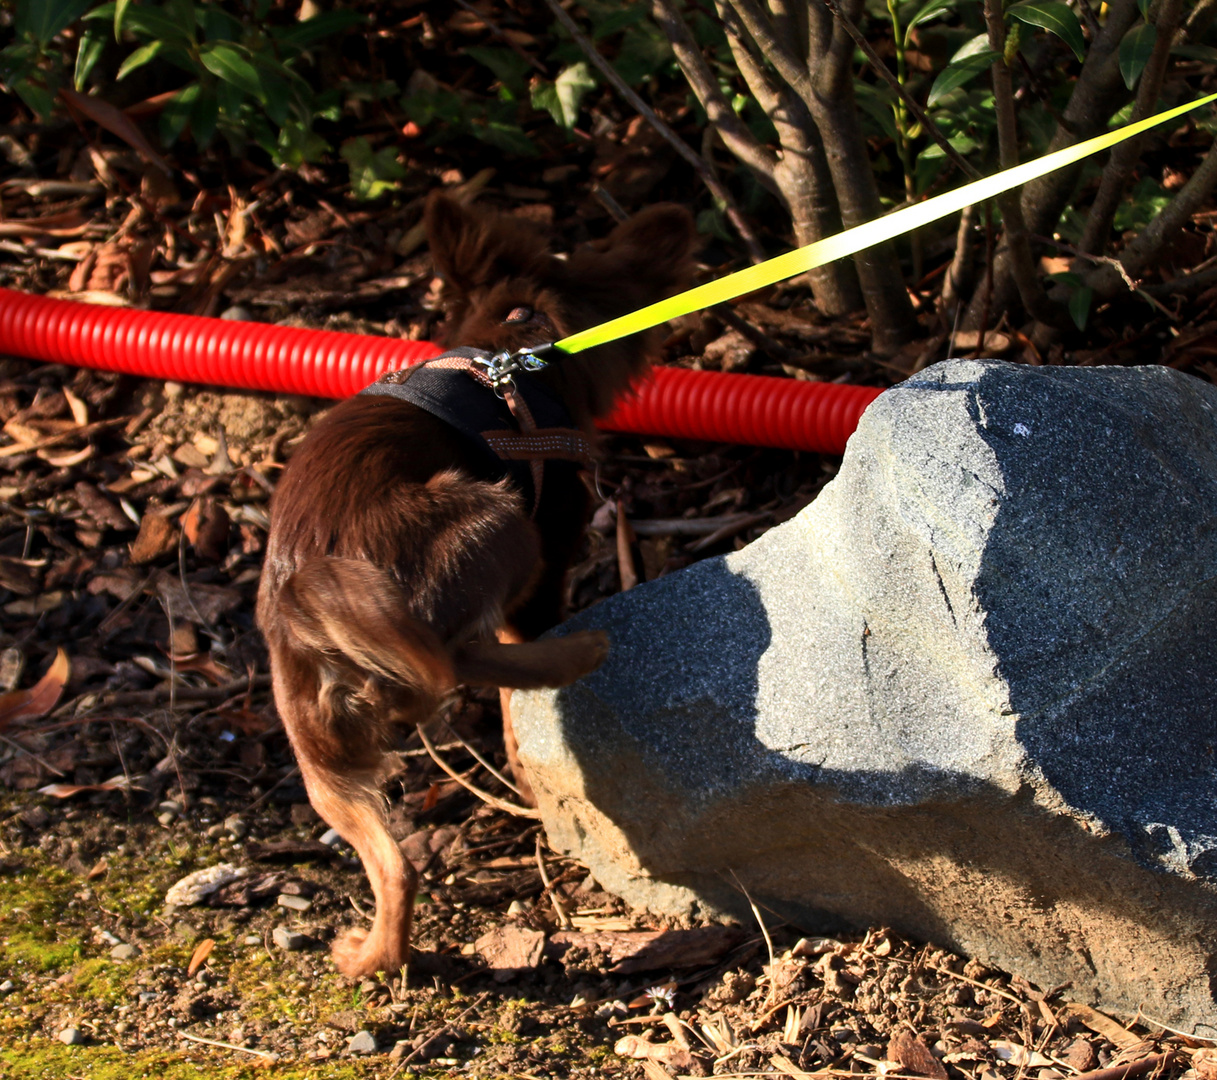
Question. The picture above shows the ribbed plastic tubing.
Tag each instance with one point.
(757, 410)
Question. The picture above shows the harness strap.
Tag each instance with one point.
(531, 444)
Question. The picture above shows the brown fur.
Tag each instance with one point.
(396, 568)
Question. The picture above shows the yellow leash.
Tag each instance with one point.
(858, 238)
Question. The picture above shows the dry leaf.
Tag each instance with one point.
(117, 122)
(207, 525)
(157, 538)
(1019, 1055)
(635, 1046)
(914, 1056)
(1204, 1061)
(199, 957)
(1102, 1024)
(511, 949)
(80, 411)
(654, 950)
(41, 698)
(66, 791)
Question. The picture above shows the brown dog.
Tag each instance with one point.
(402, 561)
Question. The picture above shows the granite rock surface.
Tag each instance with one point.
(970, 693)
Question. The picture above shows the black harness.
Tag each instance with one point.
(516, 422)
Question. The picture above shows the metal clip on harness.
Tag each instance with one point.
(502, 367)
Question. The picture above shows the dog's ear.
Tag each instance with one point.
(471, 248)
(651, 254)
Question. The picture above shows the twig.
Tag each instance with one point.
(688, 526)
(485, 796)
(1143, 1015)
(756, 914)
(559, 907)
(495, 29)
(477, 756)
(136, 698)
(229, 1046)
(755, 251)
(447, 1023)
(910, 102)
(30, 753)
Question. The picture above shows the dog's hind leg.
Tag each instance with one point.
(355, 807)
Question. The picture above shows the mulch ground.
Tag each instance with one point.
(133, 518)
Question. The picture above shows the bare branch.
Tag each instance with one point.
(1145, 251)
(1125, 156)
(755, 251)
(731, 129)
(1022, 264)
(885, 73)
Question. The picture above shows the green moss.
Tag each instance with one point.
(48, 1060)
(30, 902)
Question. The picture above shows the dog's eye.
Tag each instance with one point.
(519, 314)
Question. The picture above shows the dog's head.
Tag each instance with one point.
(506, 290)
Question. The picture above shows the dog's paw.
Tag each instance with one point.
(588, 649)
(357, 953)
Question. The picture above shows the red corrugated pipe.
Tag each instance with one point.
(752, 409)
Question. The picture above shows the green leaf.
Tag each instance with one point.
(120, 14)
(1143, 7)
(1079, 306)
(36, 96)
(508, 66)
(1196, 52)
(43, 19)
(226, 61)
(92, 43)
(373, 172)
(1066, 277)
(204, 116)
(329, 24)
(933, 9)
(139, 58)
(629, 15)
(958, 72)
(562, 98)
(1136, 48)
(153, 25)
(1056, 18)
(509, 138)
(876, 103)
(176, 113)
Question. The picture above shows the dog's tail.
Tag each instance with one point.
(348, 609)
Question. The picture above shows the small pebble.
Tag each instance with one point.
(214, 832)
(330, 837)
(108, 938)
(121, 1027)
(71, 1036)
(124, 951)
(147, 997)
(288, 940)
(8, 986)
(236, 827)
(294, 903)
(252, 939)
(362, 1043)
(237, 313)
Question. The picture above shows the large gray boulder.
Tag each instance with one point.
(970, 692)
